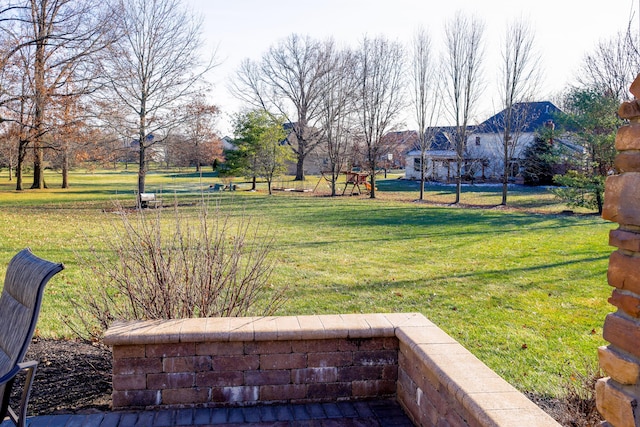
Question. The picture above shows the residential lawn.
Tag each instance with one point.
(524, 287)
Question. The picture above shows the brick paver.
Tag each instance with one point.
(378, 413)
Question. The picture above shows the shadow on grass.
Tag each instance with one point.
(438, 221)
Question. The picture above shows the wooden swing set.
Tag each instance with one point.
(352, 178)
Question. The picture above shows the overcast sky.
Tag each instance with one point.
(565, 31)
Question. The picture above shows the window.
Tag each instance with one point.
(416, 164)
(477, 140)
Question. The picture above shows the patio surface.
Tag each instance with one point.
(377, 413)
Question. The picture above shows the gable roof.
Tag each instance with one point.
(528, 116)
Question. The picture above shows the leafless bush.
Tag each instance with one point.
(166, 265)
(578, 407)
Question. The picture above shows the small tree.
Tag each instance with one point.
(201, 144)
(272, 155)
(261, 152)
(591, 114)
(539, 159)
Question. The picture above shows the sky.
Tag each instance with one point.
(565, 30)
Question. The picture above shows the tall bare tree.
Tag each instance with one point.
(62, 36)
(288, 81)
(380, 72)
(519, 79)
(152, 69)
(426, 97)
(337, 116)
(462, 70)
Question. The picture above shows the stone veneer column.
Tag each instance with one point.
(618, 395)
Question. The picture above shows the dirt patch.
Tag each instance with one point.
(72, 376)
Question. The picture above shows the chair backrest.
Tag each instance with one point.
(20, 305)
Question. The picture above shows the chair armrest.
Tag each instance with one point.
(9, 375)
(16, 369)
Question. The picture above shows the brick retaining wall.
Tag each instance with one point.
(246, 361)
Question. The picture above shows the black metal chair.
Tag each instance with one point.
(19, 308)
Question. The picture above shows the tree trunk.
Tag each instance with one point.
(505, 174)
(65, 171)
(334, 178)
(458, 180)
(372, 175)
(300, 168)
(142, 174)
(21, 155)
(38, 173)
(599, 201)
(253, 183)
(422, 176)
(505, 177)
(39, 100)
(372, 193)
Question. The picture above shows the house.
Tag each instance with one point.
(227, 143)
(154, 151)
(483, 157)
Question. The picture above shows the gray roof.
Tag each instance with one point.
(528, 117)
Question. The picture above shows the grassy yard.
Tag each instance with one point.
(523, 288)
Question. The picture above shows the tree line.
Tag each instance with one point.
(347, 101)
(94, 80)
(85, 80)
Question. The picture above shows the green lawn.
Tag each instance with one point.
(523, 288)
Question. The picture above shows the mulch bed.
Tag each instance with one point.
(72, 376)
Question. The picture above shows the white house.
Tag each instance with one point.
(484, 151)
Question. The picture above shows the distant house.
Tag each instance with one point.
(483, 157)
(227, 143)
(395, 145)
(155, 151)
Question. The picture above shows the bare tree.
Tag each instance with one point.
(9, 146)
(380, 96)
(62, 37)
(152, 69)
(426, 97)
(462, 62)
(612, 65)
(17, 104)
(68, 130)
(288, 81)
(336, 119)
(203, 144)
(520, 76)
